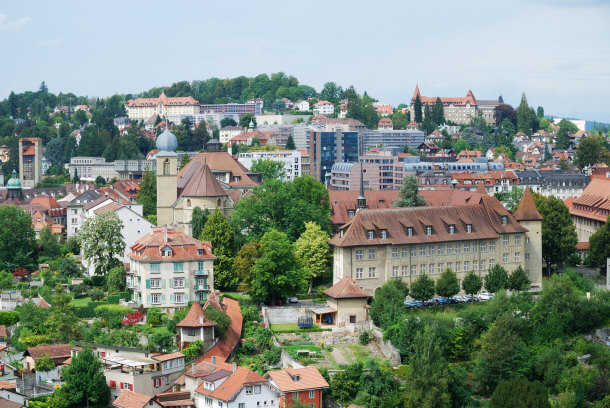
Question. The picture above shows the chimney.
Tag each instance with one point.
(214, 360)
(194, 368)
(200, 319)
(234, 367)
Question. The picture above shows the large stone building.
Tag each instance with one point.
(169, 268)
(591, 209)
(458, 109)
(174, 108)
(378, 245)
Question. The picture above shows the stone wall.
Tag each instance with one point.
(285, 314)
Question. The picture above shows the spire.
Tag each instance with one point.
(416, 92)
(526, 211)
(361, 198)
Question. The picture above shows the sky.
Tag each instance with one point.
(556, 51)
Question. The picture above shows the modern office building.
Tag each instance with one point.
(328, 148)
(392, 140)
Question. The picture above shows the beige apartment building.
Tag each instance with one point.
(169, 268)
(170, 107)
(403, 243)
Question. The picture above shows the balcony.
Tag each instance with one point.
(202, 287)
(201, 273)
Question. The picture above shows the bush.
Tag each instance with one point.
(88, 311)
(194, 350)
(9, 318)
(272, 356)
(112, 315)
(364, 338)
(154, 316)
(223, 321)
(519, 392)
(161, 340)
(113, 299)
(96, 295)
(98, 281)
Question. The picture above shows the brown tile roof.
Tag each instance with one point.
(7, 385)
(206, 368)
(130, 399)
(46, 201)
(184, 247)
(223, 349)
(582, 246)
(109, 207)
(309, 378)
(222, 161)
(163, 100)
(196, 318)
(214, 301)
(232, 385)
(594, 202)
(174, 399)
(3, 332)
(484, 217)
(169, 356)
(346, 288)
(526, 211)
(198, 181)
(53, 350)
(4, 403)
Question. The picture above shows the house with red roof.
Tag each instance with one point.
(346, 303)
(323, 108)
(304, 385)
(195, 326)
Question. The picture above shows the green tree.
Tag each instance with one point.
(17, 239)
(246, 259)
(269, 169)
(100, 181)
(423, 288)
(312, 251)
(472, 283)
(290, 143)
(48, 244)
(85, 383)
(518, 393)
(116, 281)
(219, 232)
(388, 304)
(409, 193)
(75, 179)
(244, 120)
(44, 363)
(194, 350)
(161, 340)
(417, 114)
(154, 316)
(227, 122)
(6, 280)
(198, 219)
(62, 323)
(428, 377)
(590, 151)
(518, 280)
(438, 114)
(184, 161)
(102, 242)
(276, 274)
(112, 315)
(448, 284)
(284, 207)
(223, 321)
(540, 112)
(54, 151)
(503, 354)
(563, 138)
(460, 145)
(526, 117)
(69, 268)
(599, 246)
(496, 279)
(147, 195)
(558, 232)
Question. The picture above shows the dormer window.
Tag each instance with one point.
(505, 220)
(452, 229)
(296, 377)
(469, 228)
(350, 213)
(383, 234)
(200, 252)
(166, 251)
(409, 231)
(370, 234)
(429, 230)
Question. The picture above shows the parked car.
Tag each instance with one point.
(411, 304)
(458, 299)
(470, 298)
(293, 299)
(430, 302)
(440, 301)
(485, 296)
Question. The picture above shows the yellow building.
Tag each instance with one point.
(170, 107)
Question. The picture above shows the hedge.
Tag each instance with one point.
(88, 312)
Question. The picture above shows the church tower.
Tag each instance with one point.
(167, 177)
(528, 216)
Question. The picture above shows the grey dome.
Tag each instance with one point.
(167, 141)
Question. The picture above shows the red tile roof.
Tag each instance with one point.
(223, 161)
(184, 247)
(214, 302)
(297, 379)
(198, 181)
(223, 349)
(346, 288)
(169, 356)
(582, 246)
(232, 385)
(526, 211)
(163, 100)
(53, 350)
(196, 318)
(594, 202)
(130, 399)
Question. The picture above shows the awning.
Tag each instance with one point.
(323, 310)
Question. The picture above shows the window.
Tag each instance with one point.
(249, 390)
(505, 220)
(468, 228)
(527, 240)
(492, 246)
(449, 265)
(505, 257)
(466, 265)
(155, 298)
(178, 282)
(449, 249)
(405, 270)
(383, 234)
(413, 251)
(475, 265)
(422, 269)
(350, 213)
(431, 249)
(352, 319)
(166, 251)
(358, 273)
(458, 266)
(257, 389)
(394, 252)
(312, 394)
(372, 253)
(394, 271)
(527, 256)
(200, 266)
(517, 239)
(359, 254)
(155, 283)
(409, 231)
(492, 263)
(372, 272)
(505, 240)
(413, 270)
(422, 251)
(457, 249)
(482, 264)
(200, 252)
(179, 298)
(475, 247)
(178, 267)
(483, 246)
(431, 268)
(440, 249)
(452, 229)
(155, 268)
(370, 234)
(190, 332)
(466, 247)
(517, 256)
(405, 251)
(440, 268)
(241, 405)
(429, 230)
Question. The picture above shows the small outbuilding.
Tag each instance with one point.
(346, 303)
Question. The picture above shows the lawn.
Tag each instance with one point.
(236, 295)
(286, 326)
(81, 302)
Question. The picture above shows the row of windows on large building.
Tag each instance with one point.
(409, 231)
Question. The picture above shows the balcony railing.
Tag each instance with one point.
(201, 273)
(202, 287)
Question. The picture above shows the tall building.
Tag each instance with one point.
(30, 161)
(167, 173)
(392, 140)
(290, 158)
(458, 109)
(328, 148)
(403, 243)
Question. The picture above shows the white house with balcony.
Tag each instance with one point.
(168, 268)
(290, 158)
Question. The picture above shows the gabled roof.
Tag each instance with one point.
(169, 356)
(222, 161)
(198, 181)
(346, 288)
(232, 385)
(297, 379)
(184, 247)
(130, 399)
(196, 317)
(526, 211)
(53, 350)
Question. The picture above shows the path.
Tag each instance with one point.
(223, 349)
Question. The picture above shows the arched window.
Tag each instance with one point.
(188, 202)
(166, 167)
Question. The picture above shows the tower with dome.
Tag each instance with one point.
(167, 170)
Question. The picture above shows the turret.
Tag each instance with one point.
(528, 216)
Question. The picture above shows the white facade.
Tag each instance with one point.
(302, 105)
(290, 158)
(229, 132)
(324, 108)
(255, 395)
(89, 168)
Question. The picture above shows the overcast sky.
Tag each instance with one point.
(556, 51)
